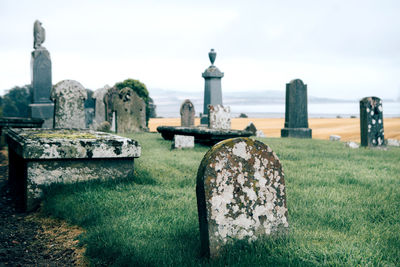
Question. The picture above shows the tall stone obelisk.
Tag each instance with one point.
(212, 87)
(42, 107)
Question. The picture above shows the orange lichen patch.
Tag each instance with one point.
(347, 128)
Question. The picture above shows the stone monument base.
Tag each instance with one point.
(43, 111)
(204, 119)
(41, 157)
(296, 132)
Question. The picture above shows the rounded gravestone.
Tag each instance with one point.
(240, 194)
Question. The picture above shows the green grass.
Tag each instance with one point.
(344, 209)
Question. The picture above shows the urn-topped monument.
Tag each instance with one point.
(41, 107)
(212, 87)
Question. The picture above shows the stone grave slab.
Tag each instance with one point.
(371, 122)
(240, 194)
(201, 135)
(40, 157)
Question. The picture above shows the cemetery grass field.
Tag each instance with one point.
(344, 209)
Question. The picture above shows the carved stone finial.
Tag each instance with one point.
(39, 35)
(212, 55)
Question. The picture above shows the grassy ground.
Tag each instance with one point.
(344, 209)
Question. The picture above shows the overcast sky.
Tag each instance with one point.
(340, 48)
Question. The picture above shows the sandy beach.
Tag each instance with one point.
(348, 129)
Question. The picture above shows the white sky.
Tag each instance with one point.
(341, 48)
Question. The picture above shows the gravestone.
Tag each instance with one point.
(187, 113)
(219, 117)
(99, 107)
(334, 137)
(240, 194)
(296, 115)
(251, 128)
(371, 121)
(41, 107)
(127, 109)
(212, 87)
(89, 108)
(69, 98)
(183, 141)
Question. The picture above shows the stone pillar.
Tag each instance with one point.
(41, 107)
(371, 121)
(212, 87)
(296, 115)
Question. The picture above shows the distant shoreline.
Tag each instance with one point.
(322, 128)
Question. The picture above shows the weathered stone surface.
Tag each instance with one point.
(260, 133)
(251, 128)
(352, 144)
(69, 97)
(219, 117)
(40, 157)
(187, 113)
(99, 108)
(212, 87)
(334, 137)
(371, 121)
(183, 141)
(393, 142)
(89, 108)
(296, 115)
(240, 194)
(129, 110)
(201, 135)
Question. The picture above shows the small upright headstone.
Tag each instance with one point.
(183, 141)
(212, 87)
(41, 107)
(251, 128)
(371, 121)
(187, 113)
(240, 194)
(219, 117)
(99, 108)
(69, 97)
(296, 115)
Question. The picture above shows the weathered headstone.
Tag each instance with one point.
(89, 108)
(240, 194)
(187, 113)
(69, 97)
(334, 137)
(183, 141)
(219, 117)
(128, 108)
(41, 107)
(99, 107)
(251, 128)
(371, 121)
(296, 115)
(212, 87)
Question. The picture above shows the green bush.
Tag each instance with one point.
(16, 102)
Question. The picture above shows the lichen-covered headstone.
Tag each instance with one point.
(296, 115)
(240, 194)
(219, 117)
(371, 121)
(69, 97)
(129, 110)
(99, 109)
(187, 113)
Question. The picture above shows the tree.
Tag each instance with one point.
(16, 102)
(141, 90)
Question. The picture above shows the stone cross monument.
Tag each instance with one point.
(296, 115)
(41, 107)
(212, 88)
